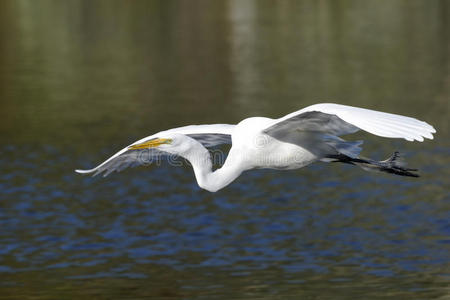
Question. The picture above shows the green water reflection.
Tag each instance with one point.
(119, 68)
(88, 77)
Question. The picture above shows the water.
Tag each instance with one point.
(80, 80)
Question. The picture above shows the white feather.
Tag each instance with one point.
(293, 141)
(375, 122)
(207, 132)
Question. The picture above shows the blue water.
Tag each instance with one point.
(333, 227)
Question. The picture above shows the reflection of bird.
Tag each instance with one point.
(291, 142)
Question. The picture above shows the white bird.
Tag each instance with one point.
(293, 141)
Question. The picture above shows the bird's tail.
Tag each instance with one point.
(394, 164)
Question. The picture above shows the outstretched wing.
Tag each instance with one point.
(208, 135)
(126, 158)
(337, 119)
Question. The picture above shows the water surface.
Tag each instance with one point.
(81, 79)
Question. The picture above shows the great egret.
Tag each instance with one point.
(293, 141)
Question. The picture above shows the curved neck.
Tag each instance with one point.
(214, 180)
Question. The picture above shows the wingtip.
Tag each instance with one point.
(82, 171)
(433, 130)
(429, 134)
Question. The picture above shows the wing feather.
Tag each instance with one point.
(208, 135)
(343, 119)
(125, 159)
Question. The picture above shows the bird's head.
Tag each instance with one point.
(173, 143)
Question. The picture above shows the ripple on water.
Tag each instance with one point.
(292, 224)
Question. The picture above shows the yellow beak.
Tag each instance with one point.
(150, 144)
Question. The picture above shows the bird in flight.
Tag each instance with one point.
(290, 142)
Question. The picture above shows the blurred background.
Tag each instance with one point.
(79, 80)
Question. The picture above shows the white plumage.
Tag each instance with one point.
(290, 142)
